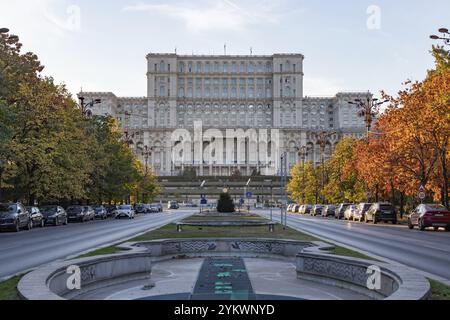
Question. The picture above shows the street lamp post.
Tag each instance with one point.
(323, 138)
(146, 154)
(368, 109)
(445, 36)
(86, 107)
(303, 153)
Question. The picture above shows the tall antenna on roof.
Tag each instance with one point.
(251, 51)
(225, 49)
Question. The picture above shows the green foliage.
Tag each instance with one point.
(341, 182)
(48, 151)
(225, 204)
(304, 187)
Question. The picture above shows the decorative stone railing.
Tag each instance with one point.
(373, 279)
(270, 225)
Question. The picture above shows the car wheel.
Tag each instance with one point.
(410, 225)
(42, 223)
(421, 226)
(66, 222)
(394, 222)
(436, 228)
(375, 221)
(447, 228)
(17, 227)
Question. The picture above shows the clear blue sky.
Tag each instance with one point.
(101, 45)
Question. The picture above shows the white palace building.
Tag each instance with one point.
(194, 101)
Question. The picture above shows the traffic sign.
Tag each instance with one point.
(249, 195)
(203, 201)
(422, 195)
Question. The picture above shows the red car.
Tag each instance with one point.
(429, 215)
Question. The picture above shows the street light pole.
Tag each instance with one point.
(302, 154)
(445, 36)
(368, 109)
(323, 138)
(85, 107)
(283, 183)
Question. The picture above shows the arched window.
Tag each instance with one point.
(181, 92)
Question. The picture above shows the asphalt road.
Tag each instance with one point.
(28, 249)
(428, 251)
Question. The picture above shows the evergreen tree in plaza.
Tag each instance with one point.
(225, 204)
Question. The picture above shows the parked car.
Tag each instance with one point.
(54, 215)
(350, 211)
(142, 208)
(160, 207)
(37, 219)
(306, 209)
(80, 213)
(110, 209)
(124, 211)
(360, 212)
(14, 216)
(328, 211)
(173, 205)
(429, 215)
(317, 210)
(381, 212)
(154, 208)
(340, 210)
(100, 212)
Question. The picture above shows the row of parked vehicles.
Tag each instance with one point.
(16, 216)
(424, 216)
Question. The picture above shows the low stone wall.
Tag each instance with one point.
(50, 282)
(243, 247)
(393, 283)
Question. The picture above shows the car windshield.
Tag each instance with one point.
(385, 207)
(74, 209)
(367, 206)
(124, 207)
(435, 207)
(98, 209)
(8, 207)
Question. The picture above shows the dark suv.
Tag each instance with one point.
(78, 213)
(381, 212)
(54, 215)
(14, 216)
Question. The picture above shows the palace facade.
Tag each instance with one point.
(252, 93)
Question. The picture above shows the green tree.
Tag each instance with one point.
(304, 186)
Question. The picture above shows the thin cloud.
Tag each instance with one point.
(222, 15)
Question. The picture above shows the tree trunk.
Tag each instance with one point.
(445, 200)
(402, 207)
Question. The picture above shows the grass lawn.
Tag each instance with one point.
(8, 289)
(439, 291)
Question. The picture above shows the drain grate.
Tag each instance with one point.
(223, 279)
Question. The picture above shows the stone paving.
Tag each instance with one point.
(224, 279)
